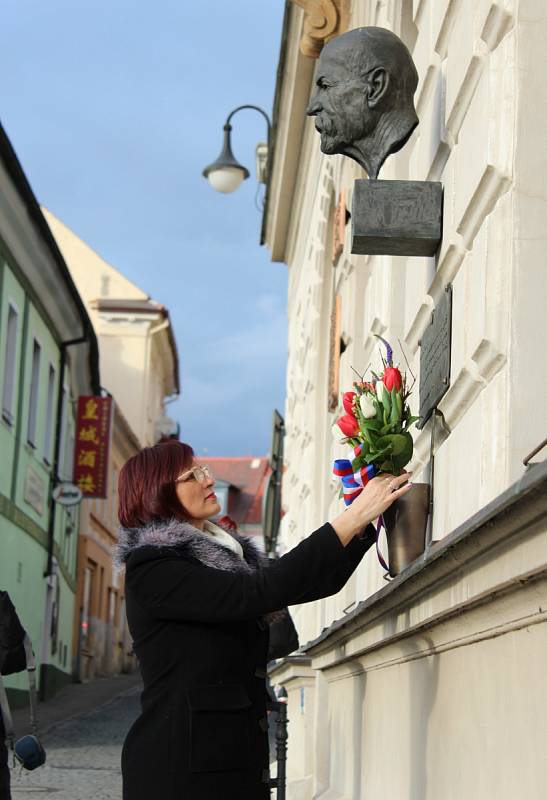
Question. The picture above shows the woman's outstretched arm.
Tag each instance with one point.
(170, 586)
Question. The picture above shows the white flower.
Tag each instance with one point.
(380, 388)
(368, 406)
(336, 431)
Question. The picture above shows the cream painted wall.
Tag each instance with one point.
(136, 358)
(472, 97)
(95, 277)
(482, 104)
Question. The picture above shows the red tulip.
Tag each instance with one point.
(392, 379)
(347, 400)
(348, 425)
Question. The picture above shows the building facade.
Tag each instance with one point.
(48, 356)
(139, 368)
(428, 686)
(240, 485)
(102, 644)
(139, 358)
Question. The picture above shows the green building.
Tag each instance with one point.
(48, 357)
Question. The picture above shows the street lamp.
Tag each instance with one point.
(226, 174)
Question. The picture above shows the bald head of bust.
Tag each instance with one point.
(364, 96)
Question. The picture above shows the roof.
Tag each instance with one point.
(22, 186)
(247, 476)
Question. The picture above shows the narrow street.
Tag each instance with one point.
(83, 755)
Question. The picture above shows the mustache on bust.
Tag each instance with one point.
(325, 125)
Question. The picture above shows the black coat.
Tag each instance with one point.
(197, 615)
(12, 659)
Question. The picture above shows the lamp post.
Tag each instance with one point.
(226, 174)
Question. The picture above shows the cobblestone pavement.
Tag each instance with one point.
(83, 755)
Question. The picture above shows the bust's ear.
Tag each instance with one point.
(377, 85)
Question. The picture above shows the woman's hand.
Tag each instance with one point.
(378, 494)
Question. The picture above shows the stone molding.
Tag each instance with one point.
(324, 19)
(512, 515)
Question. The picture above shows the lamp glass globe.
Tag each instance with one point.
(226, 179)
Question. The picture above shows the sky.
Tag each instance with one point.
(114, 107)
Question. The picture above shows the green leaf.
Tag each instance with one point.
(371, 424)
(394, 417)
(341, 492)
(402, 447)
(410, 421)
(379, 413)
(373, 458)
(386, 402)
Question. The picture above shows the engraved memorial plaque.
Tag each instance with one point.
(435, 357)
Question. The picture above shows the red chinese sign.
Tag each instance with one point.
(92, 445)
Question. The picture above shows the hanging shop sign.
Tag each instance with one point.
(93, 433)
(67, 494)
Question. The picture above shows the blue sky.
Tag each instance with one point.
(114, 107)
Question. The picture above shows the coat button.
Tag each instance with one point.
(263, 724)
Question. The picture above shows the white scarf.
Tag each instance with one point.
(221, 537)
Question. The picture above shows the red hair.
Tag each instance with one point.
(146, 487)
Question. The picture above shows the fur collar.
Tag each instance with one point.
(190, 541)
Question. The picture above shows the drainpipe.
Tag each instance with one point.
(54, 476)
(53, 480)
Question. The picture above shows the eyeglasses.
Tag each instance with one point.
(200, 474)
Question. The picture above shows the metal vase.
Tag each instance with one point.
(406, 523)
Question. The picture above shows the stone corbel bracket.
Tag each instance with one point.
(324, 20)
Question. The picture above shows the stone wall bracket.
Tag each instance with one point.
(396, 218)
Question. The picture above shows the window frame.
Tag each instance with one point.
(8, 414)
(50, 414)
(34, 391)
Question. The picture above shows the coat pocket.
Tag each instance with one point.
(219, 728)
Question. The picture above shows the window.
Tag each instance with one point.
(9, 364)
(34, 389)
(49, 414)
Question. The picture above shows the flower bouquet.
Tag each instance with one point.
(376, 425)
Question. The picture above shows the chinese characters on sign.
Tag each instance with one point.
(92, 445)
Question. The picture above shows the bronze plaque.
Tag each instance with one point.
(435, 357)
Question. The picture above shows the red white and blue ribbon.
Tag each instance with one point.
(353, 483)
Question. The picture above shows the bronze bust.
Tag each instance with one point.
(363, 102)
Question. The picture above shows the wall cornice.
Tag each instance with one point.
(509, 523)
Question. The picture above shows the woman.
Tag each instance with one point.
(198, 603)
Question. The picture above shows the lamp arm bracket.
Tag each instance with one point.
(256, 108)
